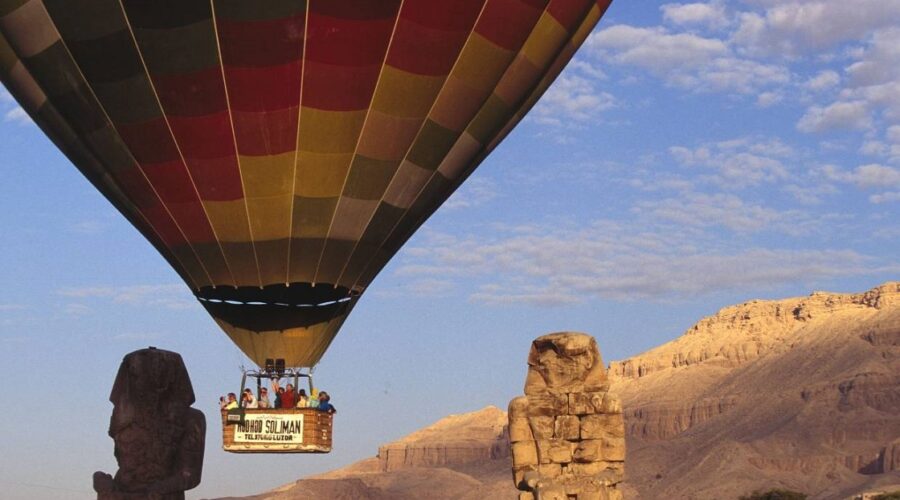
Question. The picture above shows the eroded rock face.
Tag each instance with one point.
(567, 434)
(454, 441)
(159, 439)
(801, 393)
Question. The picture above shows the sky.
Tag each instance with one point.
(692, 156)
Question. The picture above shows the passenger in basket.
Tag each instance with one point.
(288, 397)
(263, 399)
(313, 398)
(278, 392)
(248, 400)
(230, 403)
(302, 399)
(325, 403)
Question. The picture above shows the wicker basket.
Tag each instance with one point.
(269, 430)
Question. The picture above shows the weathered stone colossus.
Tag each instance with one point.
(567, 433)
(158, 437)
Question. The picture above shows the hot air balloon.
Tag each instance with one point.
(277, 153)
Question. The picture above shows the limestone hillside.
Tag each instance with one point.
(799, 393)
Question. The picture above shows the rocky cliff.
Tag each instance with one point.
(801, 393)
(453, 441)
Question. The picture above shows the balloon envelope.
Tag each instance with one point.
(278, 153)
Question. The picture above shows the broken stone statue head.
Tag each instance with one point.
(564, 361)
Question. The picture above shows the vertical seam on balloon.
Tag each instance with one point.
(337, 205)
(480, 156)
(520, 114)
(130, 155)
(436, 171)
(287, 278)
(237, 154)
(419, 132)
(425, 184)
(165, 117)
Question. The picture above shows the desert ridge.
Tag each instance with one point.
(801, 393)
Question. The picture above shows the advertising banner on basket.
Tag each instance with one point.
(270, 428)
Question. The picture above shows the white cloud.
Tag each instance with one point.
(888, 197)
(866, 176)
(824, 80)
(166, 296)
(654, 49)
(474, 192)
(726, 210)
(710, 14)
(793, 28)
(685, 60)
(76, 309)
(877, 62)
(17, 115)
(893, 134)
(809, 194)
(839, 115)
(767, 99)
(571, 98)
(738, 163)
(552, 266)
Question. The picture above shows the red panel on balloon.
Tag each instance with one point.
(569, 13)
(355, 9)
(207, 136)
(191, 94)
(261, 43)
(425, 51)
(507, 22)
(217, 179)
(347, 42)
(267, 133)
(171, 181)
(339, 88)
(264, 89)
(452, 15)
(149, 141)
(165, 228)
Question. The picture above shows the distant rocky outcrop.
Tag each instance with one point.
(453, 441)
(801, 393)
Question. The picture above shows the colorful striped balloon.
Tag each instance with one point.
(277, 153)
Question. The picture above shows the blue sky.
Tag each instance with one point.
(692, 156)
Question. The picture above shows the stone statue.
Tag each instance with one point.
(159, 438)
(567, 433)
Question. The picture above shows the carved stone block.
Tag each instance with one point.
(520, 430)
(542, 427)
(584, 403)
(566, 427)
(556, 451)
(548, 405)
(524, 453)
(602, 425)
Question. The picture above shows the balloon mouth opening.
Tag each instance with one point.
(277, 307)
(293, 295)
